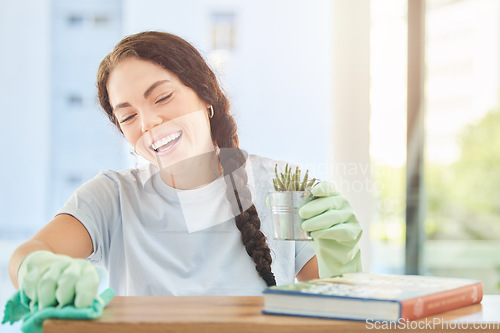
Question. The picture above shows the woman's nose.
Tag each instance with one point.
(150, 120)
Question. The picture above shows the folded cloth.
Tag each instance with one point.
(17, 308)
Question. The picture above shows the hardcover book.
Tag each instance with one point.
(371, 296)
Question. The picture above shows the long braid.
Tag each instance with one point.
(247, 221)
(181, 58)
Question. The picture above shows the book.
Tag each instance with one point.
(372, 296)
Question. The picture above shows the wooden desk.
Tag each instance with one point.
(243, 314)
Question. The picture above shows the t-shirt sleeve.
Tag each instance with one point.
(96, 205)
(303, 253)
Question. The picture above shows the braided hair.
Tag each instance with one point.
(181, 58)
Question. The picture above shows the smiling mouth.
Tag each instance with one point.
(166, 143)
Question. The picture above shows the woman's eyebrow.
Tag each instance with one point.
(153, 86)
(146, 94)
(121, 105)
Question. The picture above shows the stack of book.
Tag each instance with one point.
(370, 296)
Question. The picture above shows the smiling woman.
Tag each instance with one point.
(164, 120)
(168, 227)
(135, 73)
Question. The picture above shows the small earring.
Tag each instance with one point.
(211, 114)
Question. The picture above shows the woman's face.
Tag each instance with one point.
(164, 120)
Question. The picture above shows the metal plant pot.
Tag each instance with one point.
(286, 220)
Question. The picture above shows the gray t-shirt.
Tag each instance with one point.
(155, 240)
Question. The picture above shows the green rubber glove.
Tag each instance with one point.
(50, 279)
(17, 308)
(331, 222)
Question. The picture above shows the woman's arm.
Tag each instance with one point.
(309, 271)
(63, 235)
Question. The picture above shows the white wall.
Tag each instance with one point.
(25, 102)
(24, 127)
(351, 110)
(83, 140)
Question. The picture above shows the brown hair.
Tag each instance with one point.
(181, 58)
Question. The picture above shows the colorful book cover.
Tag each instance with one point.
(362, 296)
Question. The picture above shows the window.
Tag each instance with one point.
(462, 144)
(74, 100)
(223, 30)
(388, 132)
(101, 20)
(461, 112)
(75, 20)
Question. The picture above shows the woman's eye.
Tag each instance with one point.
(164, 98)
(127, 118)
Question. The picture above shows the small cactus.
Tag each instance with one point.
(289, 181)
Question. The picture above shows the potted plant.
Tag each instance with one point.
(290, 192)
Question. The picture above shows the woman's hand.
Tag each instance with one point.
(331, 222)
(51, 279)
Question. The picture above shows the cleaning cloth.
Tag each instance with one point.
(18, 308)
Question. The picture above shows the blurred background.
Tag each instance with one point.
(328, 84)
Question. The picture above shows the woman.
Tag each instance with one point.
(166, 228)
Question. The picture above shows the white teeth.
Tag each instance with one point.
(165, 140)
